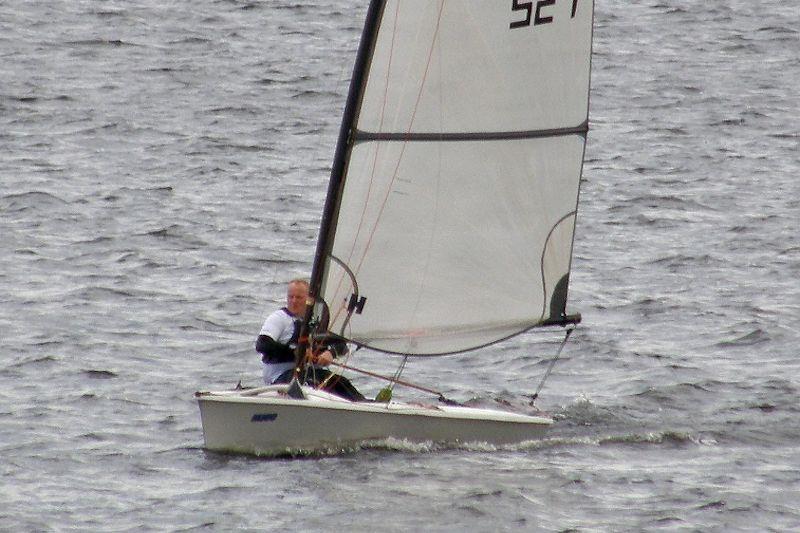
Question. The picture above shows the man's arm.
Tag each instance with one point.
(273, 351)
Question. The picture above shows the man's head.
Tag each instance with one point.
(296, 297)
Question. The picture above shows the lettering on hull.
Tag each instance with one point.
(264, 417)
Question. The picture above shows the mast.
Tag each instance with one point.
(336, 183)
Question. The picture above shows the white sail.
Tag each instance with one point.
(456, 213)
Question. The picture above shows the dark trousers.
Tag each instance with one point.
(315, 376)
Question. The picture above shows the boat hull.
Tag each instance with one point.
(269, 422)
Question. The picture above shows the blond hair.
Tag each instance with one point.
(299, 281)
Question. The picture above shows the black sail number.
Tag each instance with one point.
(538, 13)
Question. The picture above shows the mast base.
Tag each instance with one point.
(563, 320)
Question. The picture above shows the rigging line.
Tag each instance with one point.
(375, 158)
(436, 187)
(342, 306)
(441, 396)
(437, 179)
(550, 368)
(395, 173)
(400, 369)
(403, 149)
(385, 394)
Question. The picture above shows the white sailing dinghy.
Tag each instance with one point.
(450, 214)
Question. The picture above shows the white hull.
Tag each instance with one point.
(267, 421)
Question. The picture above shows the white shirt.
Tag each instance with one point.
(280, 327)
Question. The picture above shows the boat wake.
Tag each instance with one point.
(404, 446)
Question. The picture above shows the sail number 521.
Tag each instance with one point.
(539, 14)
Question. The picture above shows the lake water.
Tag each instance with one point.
(162, 171)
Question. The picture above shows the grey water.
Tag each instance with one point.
(162, 171)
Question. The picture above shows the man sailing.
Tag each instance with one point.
(278, 340)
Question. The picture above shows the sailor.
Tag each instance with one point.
(278, 339)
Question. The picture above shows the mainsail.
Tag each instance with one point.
(451, 212)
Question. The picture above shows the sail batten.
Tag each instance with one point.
(455, 204)
(469, 136)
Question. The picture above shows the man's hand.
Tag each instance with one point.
(323, 359)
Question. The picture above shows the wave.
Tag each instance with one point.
(30, 200)
(100, 43)
(47, 359)
(757, 336)
(32, 99)
(100, 374)
(174, 232)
